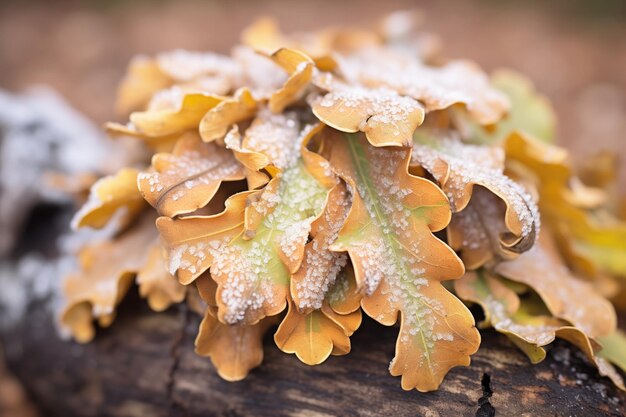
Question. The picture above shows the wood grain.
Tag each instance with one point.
(144, 365)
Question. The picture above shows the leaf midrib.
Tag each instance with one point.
(356, 158)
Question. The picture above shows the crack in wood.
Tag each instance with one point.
(485, 409)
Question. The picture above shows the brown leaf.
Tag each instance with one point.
(107, 270)
(215, 123)
(189, 177)
(566, 296)
(400, 263)
(110, 195)
(158, 286)
(385, 117)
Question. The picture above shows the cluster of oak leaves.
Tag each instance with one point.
(303, 181)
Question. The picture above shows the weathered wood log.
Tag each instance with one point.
(144, 365)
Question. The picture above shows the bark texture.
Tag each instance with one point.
(144, 365)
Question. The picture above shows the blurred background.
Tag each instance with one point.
(573, 50)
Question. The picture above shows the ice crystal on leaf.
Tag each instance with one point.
(304, 180)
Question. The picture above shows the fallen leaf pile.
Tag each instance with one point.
(306, 180)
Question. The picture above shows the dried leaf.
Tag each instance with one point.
(593, 243)
(189, 177)
(524, 323)
(300, 69)
(158, 286)
(457, 82)
(191, 241)
(384, 116)
(314, 336)
(253, 268)
(143, 79)
(185, 112)
(321, 266)
(110, 195)
(566, 296)
(234, 349)
(216, 122)
(614, 348)
(530, 113)
(478, 232)
(399, 262)
(106, 272)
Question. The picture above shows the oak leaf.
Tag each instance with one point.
(481, 228)
(107, 270)
(215, 123)
(566, 296)
(187, 179)
(400, 263)
(110, 195)
(385, 117)
(592, 243)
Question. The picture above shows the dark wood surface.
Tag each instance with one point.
(144, 365)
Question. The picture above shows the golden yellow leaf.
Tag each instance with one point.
(202, 233)
(385, 117)
(158, 286)
(143, 79)
(566, 296)
(106, 272)
(300, 69)
(215, 123)
(184, 113)
(187, 179)
(320, 266)
(614, 348)
(400, 263)
(163, 143)
(252, 264)
(110, 195)
(482, 228)
(234, 349)
(315, 335)
(526, 324)
(530, 113)
(593, 243)
(437, 88)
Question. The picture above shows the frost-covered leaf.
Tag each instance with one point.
(530, 113)
(385, 117)
(277, 136)
(164, 143)
(314, 334)
(321, 266)
(483, 228)
(592, 243)
(300, 69)
(108, 196)
(180, 112)
(400, 263)
(215, 123)
(457, 82)
(193, 241)
(156, 284)
(187, 179)
(566, 296)
(251, 264)
(106, 272)
(142, 80)
(525, 323)
(253, 270)
(201, 71)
